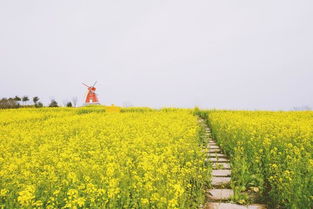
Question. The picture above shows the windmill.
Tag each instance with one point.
(91, 97)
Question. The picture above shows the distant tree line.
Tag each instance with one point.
(8, 103)
(18, 102)
(302, 108)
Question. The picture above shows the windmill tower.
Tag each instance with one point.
(91, 97)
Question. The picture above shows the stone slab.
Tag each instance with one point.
(214, 150)
(214, 146)
(218, 159)
(217, 155)
(220, 194)
(221, 165)
(220, 181)
(215, 205)
(221, 173)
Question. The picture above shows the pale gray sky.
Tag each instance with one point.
(215, 54)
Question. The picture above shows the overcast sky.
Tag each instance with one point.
(230, 54)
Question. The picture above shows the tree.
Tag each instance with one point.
(69, 104)
(8, 103)
(35, 100)
(25, 99)
(18, 99)
(39, 104)
(53, 103)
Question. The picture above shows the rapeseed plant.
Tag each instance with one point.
(271, 153)
(90, 158)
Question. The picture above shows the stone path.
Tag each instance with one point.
(219, 197)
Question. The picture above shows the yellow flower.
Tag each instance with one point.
(79, 157)
(26, 196)
(144, 201)
(3, 192)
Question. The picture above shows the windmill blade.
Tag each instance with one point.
(85, 97)
(94, 84)
(85, 85)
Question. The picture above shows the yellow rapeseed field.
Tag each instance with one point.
(271, 154)
(89, 158)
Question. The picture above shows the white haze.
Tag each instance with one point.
(214, 54)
